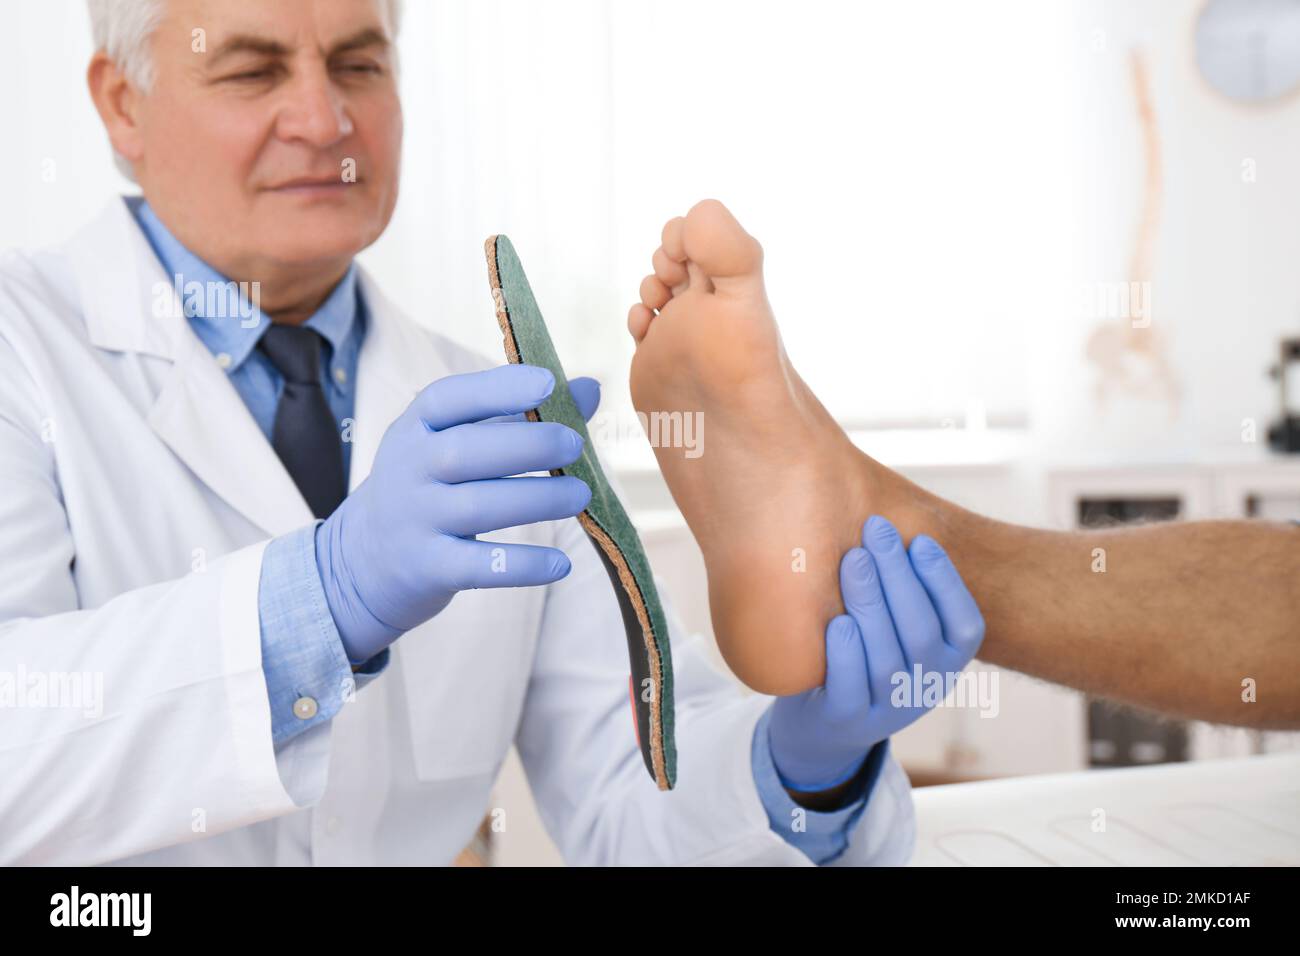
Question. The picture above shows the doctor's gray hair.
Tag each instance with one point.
(122, 28)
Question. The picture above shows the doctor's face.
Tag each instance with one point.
(271, 140)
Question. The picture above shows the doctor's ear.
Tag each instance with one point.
(117, 102)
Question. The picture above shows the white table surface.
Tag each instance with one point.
(1240, 812)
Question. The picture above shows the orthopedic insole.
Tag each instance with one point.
(606, 522)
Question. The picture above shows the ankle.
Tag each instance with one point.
(880, 490)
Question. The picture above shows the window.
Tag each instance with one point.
(900, 163)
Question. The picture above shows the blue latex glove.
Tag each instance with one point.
(402, 544)
(903, 609)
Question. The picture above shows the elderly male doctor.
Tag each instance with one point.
(286, 677)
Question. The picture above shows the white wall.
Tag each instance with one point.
(1226, 266)
(54, 161)
(576, 165)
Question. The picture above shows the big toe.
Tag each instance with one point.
(715, 241)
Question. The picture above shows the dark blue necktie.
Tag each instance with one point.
(305, 434)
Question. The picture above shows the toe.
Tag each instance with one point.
(673, 243)
(670, 272)
(638, 321)
(699, 279)
(654, 294)
(712, 237)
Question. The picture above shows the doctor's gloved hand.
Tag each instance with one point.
(402, 544)
(906, 608)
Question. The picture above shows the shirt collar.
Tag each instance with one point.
(237, 335)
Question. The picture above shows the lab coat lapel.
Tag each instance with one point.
(205, 422)
(130, 306)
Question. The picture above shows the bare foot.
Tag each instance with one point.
(775, 492)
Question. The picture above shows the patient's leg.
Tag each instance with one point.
(1195, 620)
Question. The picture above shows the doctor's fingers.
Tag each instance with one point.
(465, 565)
(914, 616)
(959, 615)
(474, 396)
(476, 507)
(498, 450)
(586, 395)
(864, 599)
(848, 689)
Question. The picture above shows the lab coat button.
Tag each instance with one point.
(304, 708)
(224, 360)
(341, 376)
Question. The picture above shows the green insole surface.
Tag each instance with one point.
(605, 520)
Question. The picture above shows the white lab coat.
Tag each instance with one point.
(136, 498)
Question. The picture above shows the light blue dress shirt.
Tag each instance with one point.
(302, 652)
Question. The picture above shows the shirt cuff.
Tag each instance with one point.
(302, 653)
(821, 836)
